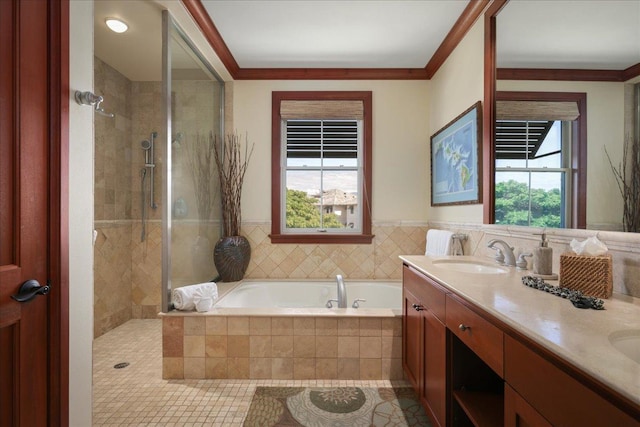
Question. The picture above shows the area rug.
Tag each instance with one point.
(339, 406)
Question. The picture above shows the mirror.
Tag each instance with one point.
(589, 47)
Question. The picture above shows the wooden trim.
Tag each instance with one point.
(469, 16)
(331, 74)
(276, 233)
(489, 111)
(578, 146)
(631, 72)
(560, 74)
(59, 212)
(202, 18)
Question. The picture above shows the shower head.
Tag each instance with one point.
(146, 144)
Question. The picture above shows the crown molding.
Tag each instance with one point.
(208, 28)
(464, 23)
(469, 16)
(568, 74)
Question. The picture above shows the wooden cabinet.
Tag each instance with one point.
(555, 393)
(475, 351)
(477, 333)
(424, 342)
(519, 413)
(471, 369)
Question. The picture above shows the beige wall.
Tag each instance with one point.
(400, 144)
(457, 85)
(80, 215)
(605, 127)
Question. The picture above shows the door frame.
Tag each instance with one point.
(58, 257)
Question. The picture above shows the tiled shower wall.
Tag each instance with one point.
(127, 271)
(127, 268)
(112, 205)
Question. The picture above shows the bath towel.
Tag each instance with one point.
(199, 297)
(438, 242)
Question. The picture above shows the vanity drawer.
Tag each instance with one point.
(481, 336)
(429, 293)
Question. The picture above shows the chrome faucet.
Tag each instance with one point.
(507, 251)
(342, 292)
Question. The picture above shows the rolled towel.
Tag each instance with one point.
(438, 242)
(186, 298)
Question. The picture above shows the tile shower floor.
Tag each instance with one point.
(138, 396)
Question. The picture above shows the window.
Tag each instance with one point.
(321, 167)
(540, 159)
(533, 173)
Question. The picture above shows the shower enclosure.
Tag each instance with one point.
(150, 233)
(193, 103)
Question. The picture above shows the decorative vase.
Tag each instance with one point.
(231, 256)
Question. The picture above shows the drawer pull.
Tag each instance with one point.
(463, 327)
(417, 307)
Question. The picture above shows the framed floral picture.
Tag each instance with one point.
(455, 160)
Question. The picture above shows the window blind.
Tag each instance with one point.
(537, 110)
(336, 139)
(290, 109)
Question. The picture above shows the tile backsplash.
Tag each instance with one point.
(624, 247)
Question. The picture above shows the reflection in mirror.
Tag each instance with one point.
(589, 47)
(540, 160)
(532, 170)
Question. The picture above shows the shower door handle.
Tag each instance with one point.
(29, 290)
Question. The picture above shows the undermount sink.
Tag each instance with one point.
(627, 342)
(469, 266)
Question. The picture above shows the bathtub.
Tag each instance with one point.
(310, 294)
(282, 330)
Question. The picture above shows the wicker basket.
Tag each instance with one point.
(592, 275)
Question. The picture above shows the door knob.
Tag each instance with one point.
(29, 289)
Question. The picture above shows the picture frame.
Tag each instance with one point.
(456, 164)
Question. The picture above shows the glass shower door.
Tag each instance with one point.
(194, 106)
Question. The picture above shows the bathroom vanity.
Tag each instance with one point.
(482, 349)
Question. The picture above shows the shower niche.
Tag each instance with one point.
(162, 96)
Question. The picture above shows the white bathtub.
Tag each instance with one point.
(311, 294)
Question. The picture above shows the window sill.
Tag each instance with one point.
(362, 239)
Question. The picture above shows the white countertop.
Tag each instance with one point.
(580, 336)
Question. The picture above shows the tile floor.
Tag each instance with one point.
(138, 396)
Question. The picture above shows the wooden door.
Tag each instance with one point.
(32, 333)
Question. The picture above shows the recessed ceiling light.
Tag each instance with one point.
(116, 25)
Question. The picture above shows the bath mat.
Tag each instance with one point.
(335, 406)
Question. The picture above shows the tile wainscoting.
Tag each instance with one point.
(624, 247)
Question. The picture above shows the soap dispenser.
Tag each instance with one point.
(543, 257)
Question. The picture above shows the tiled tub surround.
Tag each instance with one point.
(284, 346)
(376, 261)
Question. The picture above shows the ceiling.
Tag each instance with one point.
(587, 34)
(333, 34)
(378, 34)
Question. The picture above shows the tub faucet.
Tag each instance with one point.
(342, 292)
(509, 256)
